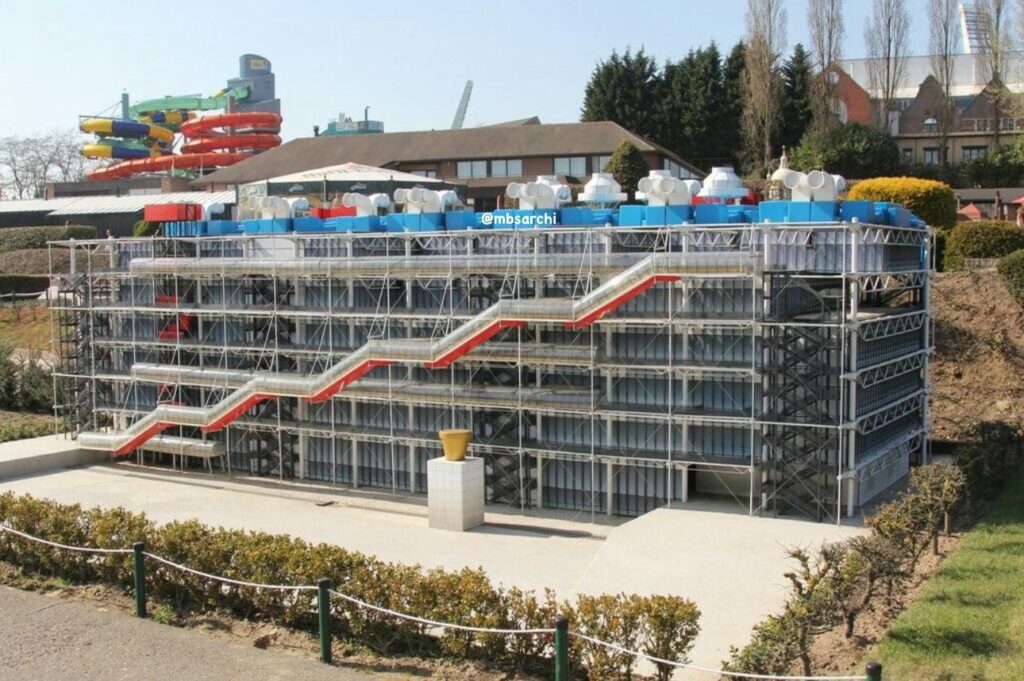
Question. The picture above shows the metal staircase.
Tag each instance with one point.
(429, 352)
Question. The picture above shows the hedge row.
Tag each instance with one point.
(661, 626)
(1011, 268)
(18, 238)
(982, 239)
(23, 283)
(934, 202)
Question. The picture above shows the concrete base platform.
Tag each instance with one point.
(24, 458)
(455, 494)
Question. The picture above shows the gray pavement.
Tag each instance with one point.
(48, 637)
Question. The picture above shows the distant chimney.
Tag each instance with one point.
(316, 131)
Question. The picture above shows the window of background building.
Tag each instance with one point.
(471, 169)
(931, 156)
(575, 166)
(908, 155)
(1006, 123)
(677, 170)
(511, 167)
(426, 173)
(972, 153)
(599, 162)
(930, 126)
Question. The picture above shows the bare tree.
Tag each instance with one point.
(886, 34)
(943, 44)
(995, 16)
(27, 164)
(825, 19)
(762, 86)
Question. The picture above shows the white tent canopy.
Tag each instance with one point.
(350, 172)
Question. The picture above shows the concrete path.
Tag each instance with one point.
(713, 553)
(47, 637)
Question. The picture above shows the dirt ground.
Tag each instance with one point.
(979, 353)
(26, 326)
(833, 653)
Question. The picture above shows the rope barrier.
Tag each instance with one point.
(433, 623)
(79, 549)
(710, 670)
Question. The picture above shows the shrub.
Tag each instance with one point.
(1011, 269)
(852, 150)
(143, 228)
(18, 238)
(23, 283)
(664, 626)
(35, 386)
(933, 202)
(8, 378)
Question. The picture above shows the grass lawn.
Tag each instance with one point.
(969, 621)
(25, 326)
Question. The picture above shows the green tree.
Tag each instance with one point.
(728, 133)
(626, 89)
(8, 378)
(851, 150)
(627, 166)
(796, 93)
(693, 104)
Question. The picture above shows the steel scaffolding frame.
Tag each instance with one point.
(606, 418)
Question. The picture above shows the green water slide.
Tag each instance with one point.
(216, 101)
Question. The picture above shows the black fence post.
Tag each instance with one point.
(561, 648)
(323, 611)
(140, 579)
(874, 671)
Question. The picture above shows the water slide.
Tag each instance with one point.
(145, 143)
(432, 353)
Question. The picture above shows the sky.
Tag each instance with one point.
(407, 61)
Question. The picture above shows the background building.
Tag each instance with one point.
(483, 159)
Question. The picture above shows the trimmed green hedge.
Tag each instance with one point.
(661, 626)
(982, 239)
(1011, 268)
(18, 238)
(932, 201)
(23, 283)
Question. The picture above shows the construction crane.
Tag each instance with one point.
(460, 113)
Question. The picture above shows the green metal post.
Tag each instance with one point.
(561, 648)
(874, 671)
(323, 609)
(140, 579)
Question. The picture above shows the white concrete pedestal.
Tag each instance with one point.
(455, 493)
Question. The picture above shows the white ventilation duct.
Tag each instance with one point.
(602, 191)
(214, 209)
(798, 186)
(825, 187)
(297, 205)
(366, 205)
(659, 188)
(274, 208)
(544, 194)
(417, 200)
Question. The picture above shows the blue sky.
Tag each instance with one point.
(407, 60)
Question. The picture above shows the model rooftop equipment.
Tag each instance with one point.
(619, 361)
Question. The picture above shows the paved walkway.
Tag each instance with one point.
(47, 637)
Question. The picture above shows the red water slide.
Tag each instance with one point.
(210, 142)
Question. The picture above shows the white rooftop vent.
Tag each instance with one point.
(417, 200)
(723, 183)
(544, 194)
(602, 191)
(365, 205)
(659, 188)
